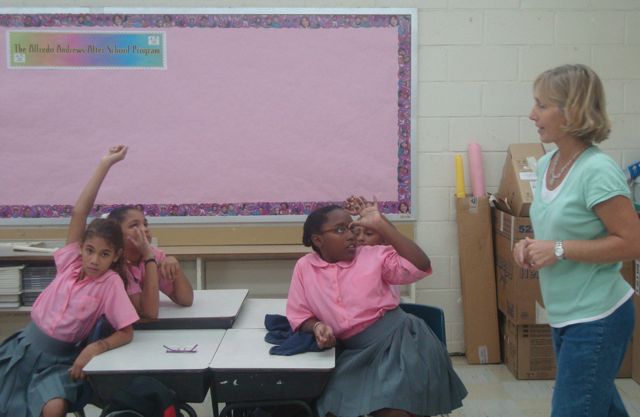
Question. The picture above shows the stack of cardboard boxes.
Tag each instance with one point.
(526, 336)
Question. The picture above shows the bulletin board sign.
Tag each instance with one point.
(243, 115)
(106, 50)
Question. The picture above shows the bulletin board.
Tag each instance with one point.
(229, 115)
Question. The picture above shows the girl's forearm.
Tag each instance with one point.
(89, 193)
(182, 290)
(85, 201)
(150, 296)
(405, 247)
(117, 339)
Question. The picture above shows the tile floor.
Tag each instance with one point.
(493, 392)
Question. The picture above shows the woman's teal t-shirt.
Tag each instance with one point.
(578, 291)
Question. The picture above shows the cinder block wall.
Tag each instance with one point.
(477, 61)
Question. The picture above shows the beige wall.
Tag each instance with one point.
(477, 59)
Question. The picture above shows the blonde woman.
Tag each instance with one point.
(584, 225)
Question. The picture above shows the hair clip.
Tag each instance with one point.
(181, 349)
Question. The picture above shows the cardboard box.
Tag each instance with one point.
(626, 367)
(515, 193)
(520, 300)
(519, 296)
(528, 351)
(477, 276)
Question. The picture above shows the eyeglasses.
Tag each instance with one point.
(339, 230)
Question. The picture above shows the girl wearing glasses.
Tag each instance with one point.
(389, 362)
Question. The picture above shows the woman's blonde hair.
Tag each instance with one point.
(578, 91)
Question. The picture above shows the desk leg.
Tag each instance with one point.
(201, 278)
(214, 402)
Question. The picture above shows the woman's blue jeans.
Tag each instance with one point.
(588, 358)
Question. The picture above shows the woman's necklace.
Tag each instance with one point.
(554, 164)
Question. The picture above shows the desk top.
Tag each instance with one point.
(7, 253)
(146, 352)
(245, 349)
(211, 309)
(253, 310)
(206, 303)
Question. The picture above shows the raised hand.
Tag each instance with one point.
(88, 194)
(116, 154)
(354, 205)
(370, 216)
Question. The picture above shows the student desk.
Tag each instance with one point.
(253, 310)
(245, 375)
(211, 309)
(7, 253)
(185, 373)
(235, 364)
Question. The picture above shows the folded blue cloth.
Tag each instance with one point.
(287, 341)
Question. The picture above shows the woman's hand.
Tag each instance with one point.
(324, 335)
(534, 254)
(519, 254)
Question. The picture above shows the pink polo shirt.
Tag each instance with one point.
(136, 275)
(348, 296)
(69, 308)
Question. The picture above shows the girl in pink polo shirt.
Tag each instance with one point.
(389, 363)
(149, 270)
(41, 366)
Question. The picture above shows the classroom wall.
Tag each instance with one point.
(477, 61)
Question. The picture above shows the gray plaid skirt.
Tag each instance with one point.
(395, 363)
(34, 368)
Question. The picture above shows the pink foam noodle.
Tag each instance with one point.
(476, 170)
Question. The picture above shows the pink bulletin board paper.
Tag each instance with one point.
(249, 118)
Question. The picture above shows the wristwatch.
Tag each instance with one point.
(559, 250)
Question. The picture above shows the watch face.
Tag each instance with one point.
(559, 250)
